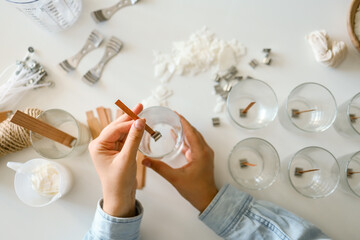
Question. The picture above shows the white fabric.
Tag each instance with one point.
(327, 52)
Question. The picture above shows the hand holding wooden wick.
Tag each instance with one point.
(154, 134)
(244, 111)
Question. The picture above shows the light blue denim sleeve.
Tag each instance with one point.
(106, 227)
(236, 215)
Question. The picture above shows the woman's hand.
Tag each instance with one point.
(114, 156)
(194, 181)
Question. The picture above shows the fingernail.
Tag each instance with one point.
(140, 124)
(146, 163)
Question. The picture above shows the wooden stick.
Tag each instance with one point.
(299, 112)
(311, 170)
(5, 115)
(248, 164)
(140, 171)
(102, 116)
(93, 124)
(43, 129)
(350, 173)
(248, 108)
(108, 114)
(353, 118)
(155, 135)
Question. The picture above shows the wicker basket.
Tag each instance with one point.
(351, 23)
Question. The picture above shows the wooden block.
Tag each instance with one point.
(108, 114)
(93, 124)
(42, 128)
(103, 117)
(140, 171)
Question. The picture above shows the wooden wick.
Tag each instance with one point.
(248, 108)
(299, 112)
(354, 118)
(351, 173)
(248, 164)
(42, 128)
(311, 170)
(94, 125)
(154, 134)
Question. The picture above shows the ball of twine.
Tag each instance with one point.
(13, 137)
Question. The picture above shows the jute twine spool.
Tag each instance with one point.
(13, 137)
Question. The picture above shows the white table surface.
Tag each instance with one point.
(154, 25)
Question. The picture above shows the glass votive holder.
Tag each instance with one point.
(254, 163)
(252, 104)
(168, 123)
(310, 107)
(348, 120)
(350, 173)
(65, 122)
(314, 172)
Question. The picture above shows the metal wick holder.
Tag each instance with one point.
(349, 172)
(216, 121)
(242, 114)
(294, 113)
(156, 135)
(352, 118)
(298, 172)
(243, 163)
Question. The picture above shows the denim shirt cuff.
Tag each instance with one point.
(225, 210)
(105, 226)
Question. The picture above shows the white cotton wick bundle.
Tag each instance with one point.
(27, 75)
(327, 52)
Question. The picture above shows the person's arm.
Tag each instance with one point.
(113, 152)
(234, 214)
(230, 213)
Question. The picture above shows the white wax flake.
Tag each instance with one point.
(158, 97)
(357, 24)
(220, 105)
(199, 53)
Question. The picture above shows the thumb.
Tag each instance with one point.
(133, 139)
(161, 168)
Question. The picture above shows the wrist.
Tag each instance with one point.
(205, 199)
(119, 207)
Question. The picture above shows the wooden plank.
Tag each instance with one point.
(42, 128)
(140, 171)
(102, 116)
(108, 114)
(93, 123)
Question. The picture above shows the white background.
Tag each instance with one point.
(154, 25)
